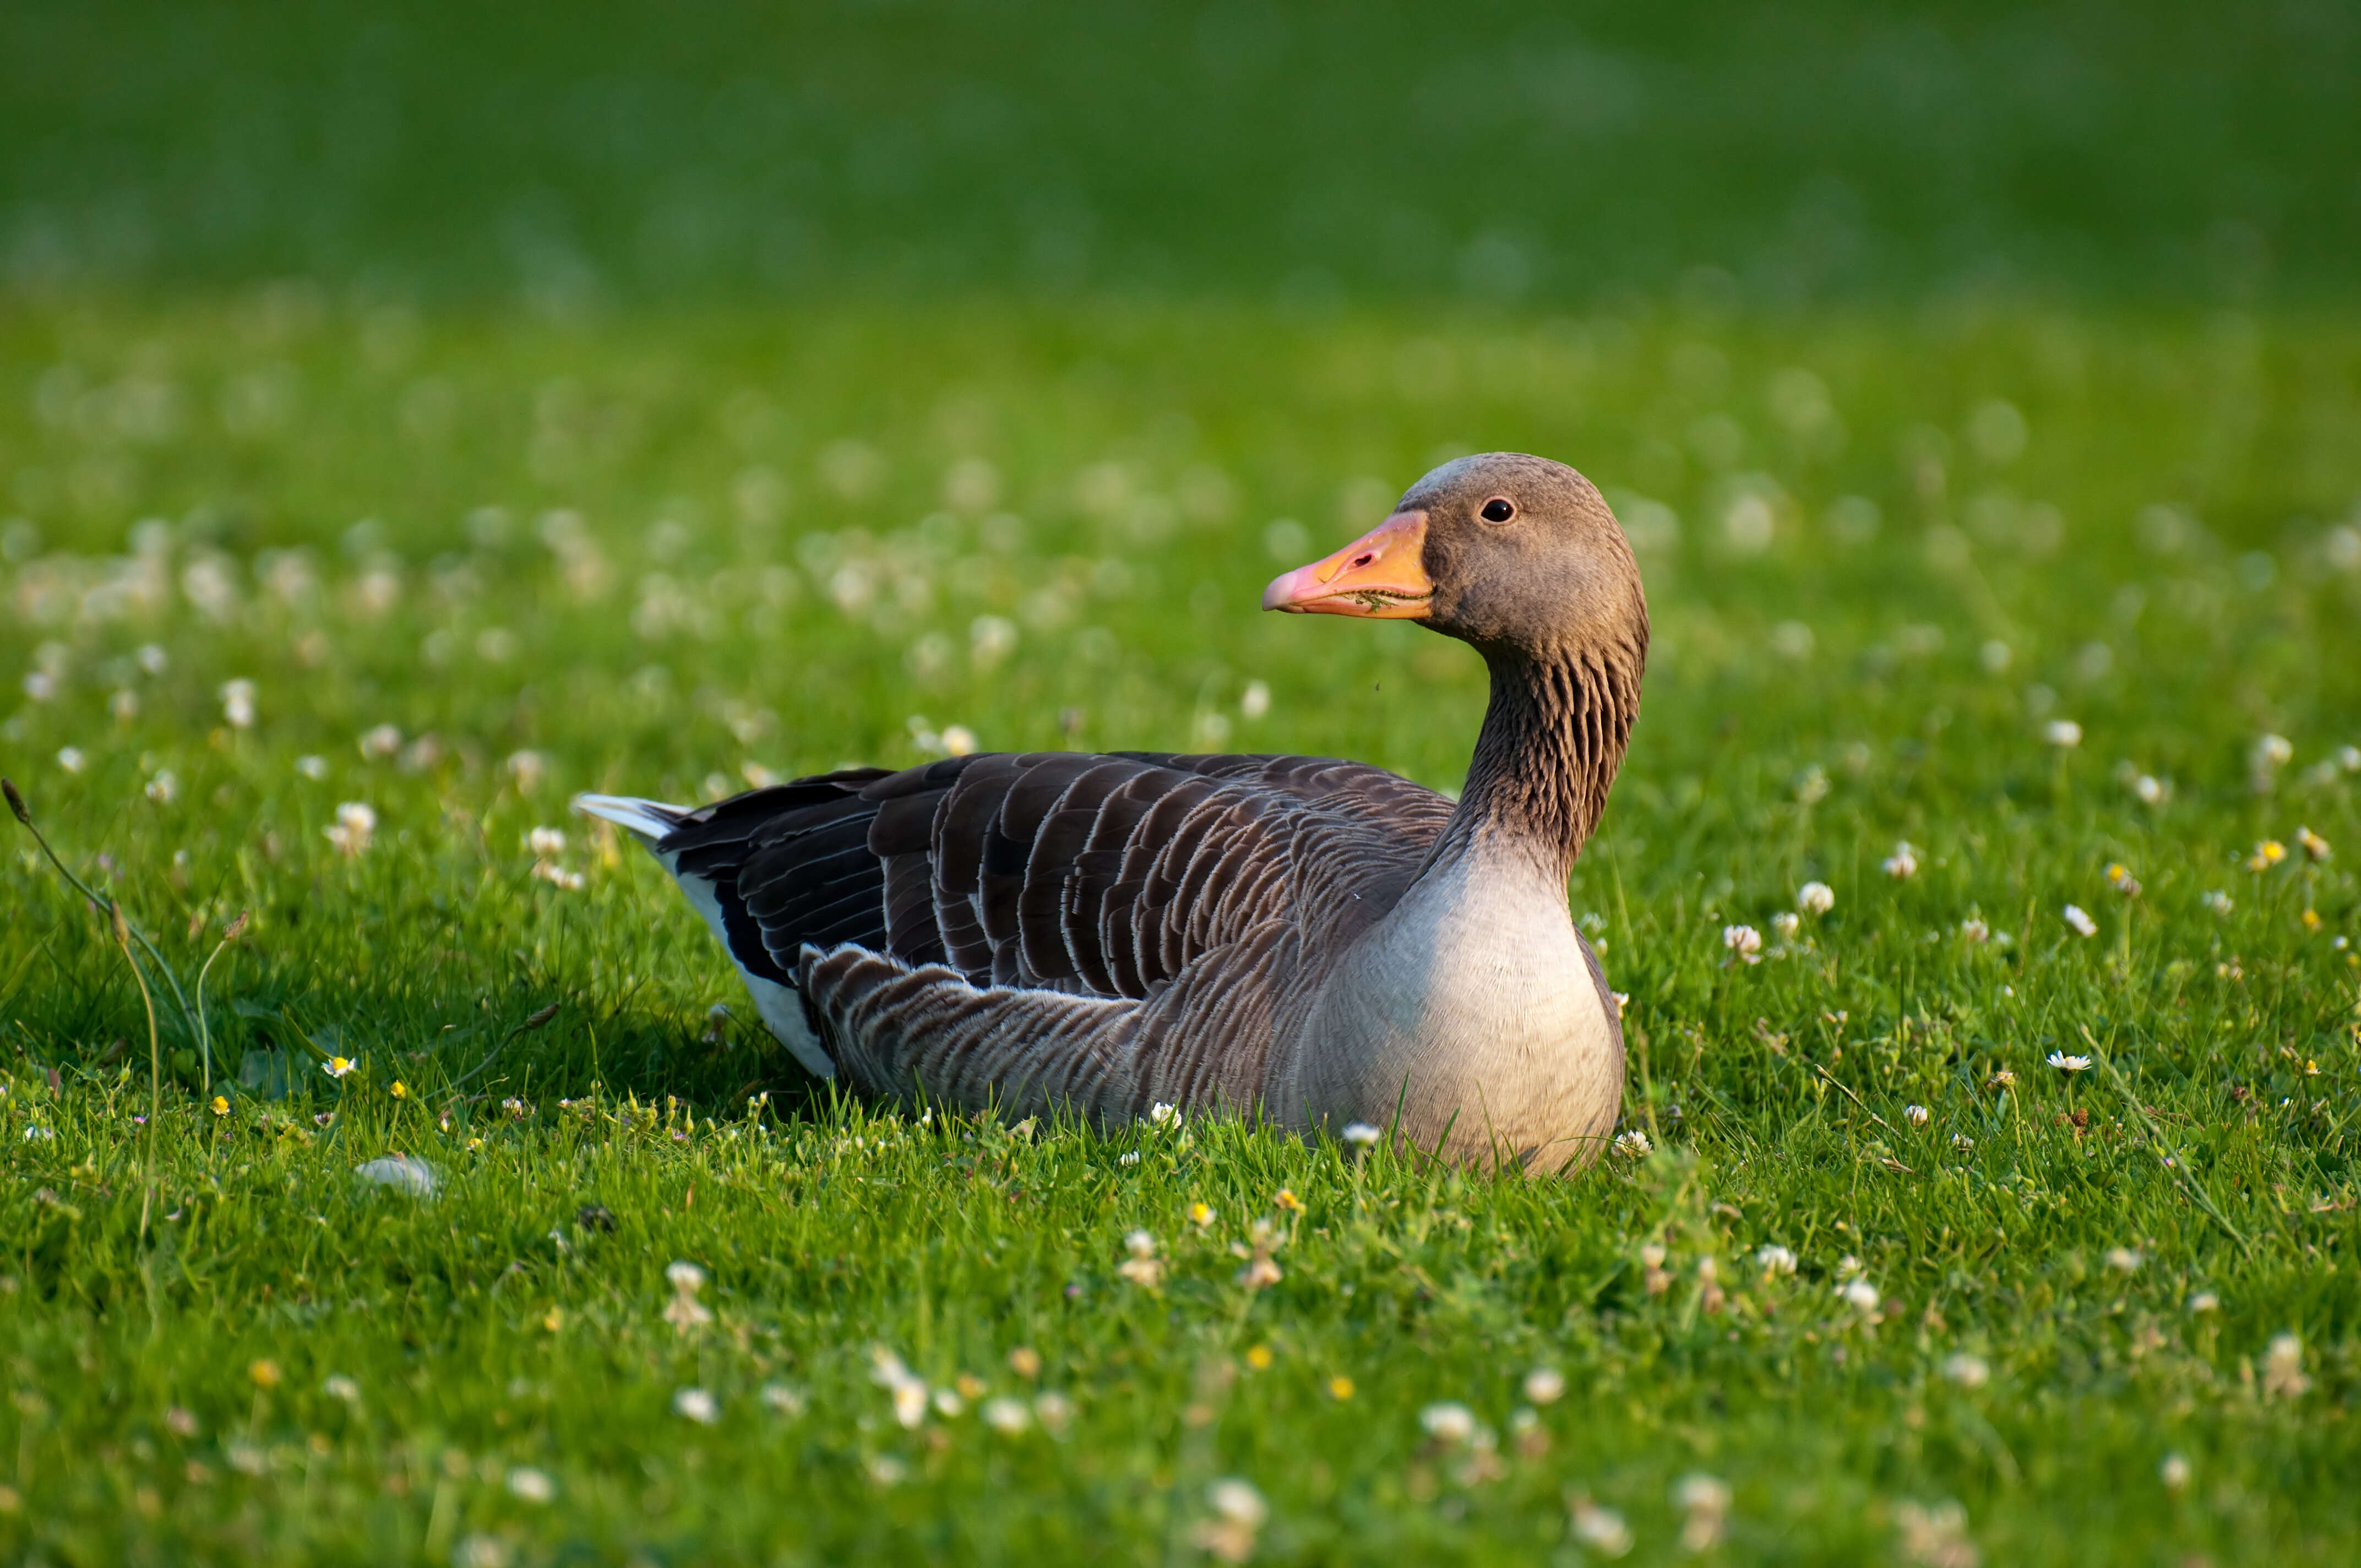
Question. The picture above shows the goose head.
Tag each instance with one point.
(1517, 555)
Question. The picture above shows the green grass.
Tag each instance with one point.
(2141, 523)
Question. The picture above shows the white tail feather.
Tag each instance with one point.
(647, 820)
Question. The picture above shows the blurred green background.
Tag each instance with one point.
(1311, 154)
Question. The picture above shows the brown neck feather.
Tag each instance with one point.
(1552, 742)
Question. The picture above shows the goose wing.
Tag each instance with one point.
(1098, 875)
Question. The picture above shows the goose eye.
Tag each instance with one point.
(1496, 509)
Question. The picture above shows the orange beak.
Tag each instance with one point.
(1380, 575)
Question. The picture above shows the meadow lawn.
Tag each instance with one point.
(2032, 632)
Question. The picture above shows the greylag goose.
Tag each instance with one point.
(1316, 942)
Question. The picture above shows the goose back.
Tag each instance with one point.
(1101, 875)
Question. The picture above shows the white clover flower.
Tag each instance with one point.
(1237, 1500)
(1961, 1142)
(1705, 1499)
(1054, 1411)
(532, 1485)
(1861, 1293)
(698, 1405)
(526, 767)
(2273, 751)
(382, 741)
(1143, 1267)
(2063, 734)
(1360, 1134)
(1238, 1513)
(237, 704)
(546, 841)
(1448, 1421)
(1162, 1116)
(355, 827)
(1775, 1260)
(960, 740)
(909, 1391)
(2205, 1301)
(1968, 1371)
(313, 768)
(784, 1397)
(1785, 923)
(1914, 1115)
(70, 759)
(1744, 942)
(2074, 915)
(1975, 930)
(1633, 1144)
(2065, 1063)
(1902, 865)
(685, 1312)
(2283, 1374)
(1006, 1416)
(1816, 898)
(164, 788)
(2123, 1259)
(2217, 901)
(336, 1386)
(1255, 701)
(2173, 1472)
(1601, 1529)
(1544, 1386)
(2149, 790)
(1129, 1156)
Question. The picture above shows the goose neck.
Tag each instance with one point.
(1552, 739)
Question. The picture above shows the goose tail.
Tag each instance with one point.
(649, 821)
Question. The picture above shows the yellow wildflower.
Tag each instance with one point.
(399, 1091)
(1286, 1199)
(221, 1105)
(1340, 1387)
